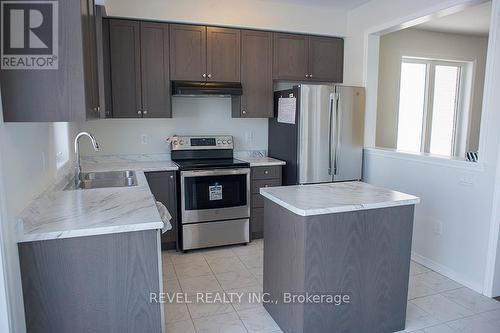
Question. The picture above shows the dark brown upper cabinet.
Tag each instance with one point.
(139, 61)
(290, 57)
(188, 57)
(155, 71)
(223, 54)
(201, 53)
(256, 74)
(326, 59)
(308, 58)
(67, 93)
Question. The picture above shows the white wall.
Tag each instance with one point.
(425, 44)
(259, 14)
(457, 194)
(191, 116)
(27, 168)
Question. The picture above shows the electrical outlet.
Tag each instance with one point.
(144, 139)
(438, 227)
(467, 179)
(43, 159)
(59, 156)
(248, 137)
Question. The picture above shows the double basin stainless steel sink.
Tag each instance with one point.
(91, 180)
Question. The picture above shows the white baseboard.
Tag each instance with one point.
(443, 270)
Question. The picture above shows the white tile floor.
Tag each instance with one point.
(436, 304)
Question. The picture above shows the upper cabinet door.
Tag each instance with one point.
(188, 52)
(223, 55)
(326, 58)
(62, 90)
(290, 57)
(256, 74)
(90, 49)
(125, 68)
(155, 70)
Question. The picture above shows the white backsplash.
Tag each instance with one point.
(191, 116)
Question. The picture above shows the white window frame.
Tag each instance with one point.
(429, 99)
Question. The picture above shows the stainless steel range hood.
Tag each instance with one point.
(195, 88)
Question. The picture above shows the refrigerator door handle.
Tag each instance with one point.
(337, 132)
(330, 136)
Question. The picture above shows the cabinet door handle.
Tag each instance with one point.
(139, 112)
(310, 75)
(209, 76)
(266, 172)
(171, 177)
(204, 75)
(97, 109)
(145, 112)
(243, 112)
(307, 75)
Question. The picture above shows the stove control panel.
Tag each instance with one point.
(202, 142)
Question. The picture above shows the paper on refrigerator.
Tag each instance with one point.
(286, 110)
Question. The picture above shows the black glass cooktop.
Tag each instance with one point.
(218, 163)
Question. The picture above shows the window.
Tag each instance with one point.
(429, 109)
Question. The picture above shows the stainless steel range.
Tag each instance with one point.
(215, 192)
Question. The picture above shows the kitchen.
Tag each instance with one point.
(154, 60)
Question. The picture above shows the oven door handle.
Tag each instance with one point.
(217, 172)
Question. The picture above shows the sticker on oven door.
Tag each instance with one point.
(215, 192)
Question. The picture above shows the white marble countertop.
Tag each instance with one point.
(317, 199)
(75, 213)
(60, 214)
(256, 161)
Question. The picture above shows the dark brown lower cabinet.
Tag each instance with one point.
(264, 176)
(163, 185)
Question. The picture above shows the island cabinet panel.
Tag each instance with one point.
(125, 59)
(264, 176)
(256, 74)
(223, 55)
(290, 57)
(362, 254)
(68, 92)
(188, 57)
(139, 61)
(97, 284)
(163, 185)
(326, 59)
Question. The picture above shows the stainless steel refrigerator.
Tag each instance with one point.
(325, 141)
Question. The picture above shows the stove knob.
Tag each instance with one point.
(219, 142)
(175, 142)
(181, 142)
(229, 141)
(223, 142)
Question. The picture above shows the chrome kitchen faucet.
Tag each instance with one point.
(78, 169)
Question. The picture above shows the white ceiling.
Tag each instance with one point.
(471, 21)
(338, 4)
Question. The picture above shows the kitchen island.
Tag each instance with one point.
(337, 257)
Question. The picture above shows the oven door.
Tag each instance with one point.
(214, 195)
